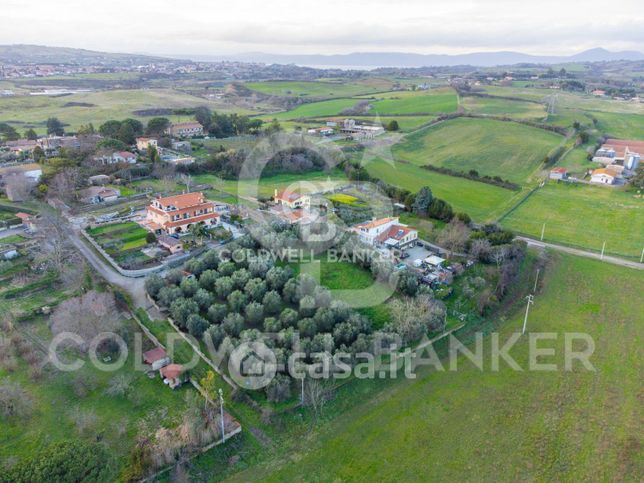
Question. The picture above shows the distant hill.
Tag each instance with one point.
(39, 54)
(401, 59)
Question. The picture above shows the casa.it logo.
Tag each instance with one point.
(252, 365)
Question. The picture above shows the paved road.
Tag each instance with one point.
(582, 253)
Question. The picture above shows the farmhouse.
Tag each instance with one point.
(185, 129)
(292, 200)
(321, 131)
(387, 232)
(21, 145)
(176, 214)
(28, 221)
(603, 176)
(558, 173)
(143, 143)
(349, 126)
(626, 152)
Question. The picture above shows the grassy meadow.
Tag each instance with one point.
(481, 201)
(442, 100)
(512, 426)
(97, 107)
(496, 148)
(319, 89)
(583, 216)
(503, 107)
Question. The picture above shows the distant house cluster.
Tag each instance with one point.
(116, 157)
(348, 127)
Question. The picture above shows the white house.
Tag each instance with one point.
(558, 173)
(386, 231)
(603, 176)
(292, 200)
(144, 143)
(116, 157)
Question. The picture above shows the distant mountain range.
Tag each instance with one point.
(28, 54)
(40, 54)
(401, 59)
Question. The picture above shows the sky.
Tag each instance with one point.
(214, 27)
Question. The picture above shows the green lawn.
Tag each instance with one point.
(122, 241)
(313, 109)
(481, 201)
(583, 216)
(473, 425)
(496, 148)
(12, 239)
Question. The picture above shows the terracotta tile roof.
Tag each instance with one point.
(156, 354)
(288, 195)
(375, 223)
(185, 200)
(608, 172)
(559, 170)
(171, 371)
(397, 232)
(23, 216)
(621, 145)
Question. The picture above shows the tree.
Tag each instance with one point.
(279, 389)
(167, 295)
(73, 460)
(423, 201)
(15, 401)
(153, 154)
(288, 317)
(237, 301)
(392, 125)
(272, 302)
(224, 286)
(17, 186)
(157, 126)
(203, 298)
(57, 252)
(150, 237)
(204, 117)
(8, 132)
(31, 134)
(254, 313)
(54, 126)
(38, 154)
(414, 317)
(256, 289)
(126, 134)
(119, 386)
(110, 129)
(87, 316)
(189, 286)
(199, 232)
(181, 309)
(454, 236)
(196, 325)
(217, 312)
(86, 129)
(153, 284)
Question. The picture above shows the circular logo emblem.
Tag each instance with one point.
(252, 365)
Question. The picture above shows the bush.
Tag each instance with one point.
(216, 313)
(272, 302)
(153, 284)
(279, 390)
(151, 237)
(73, 460)
(254, 313)
(196, 325)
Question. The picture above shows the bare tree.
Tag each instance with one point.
(15, 401)
(454, 236)
(316, 395)
(56, 249)
(415, 316)
(87, 316)
(17, 186)
(64, 184)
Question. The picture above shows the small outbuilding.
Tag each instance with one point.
(170, 243)
(174, 375)
(156, 358)
(434, 261)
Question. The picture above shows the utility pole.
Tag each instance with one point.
(221, 411)
(642, 256)
(536, 279)
(601, 257)
(543, 230)
(302, 392)
(530, 299)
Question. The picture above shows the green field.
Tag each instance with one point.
(583, 216)
(503, 107)
(314, 109)
(122, 241)
(625, 126)
(21, 111)
(321, 89)
(496, 148)
(414, 102)
(486, 425)
(481, 201)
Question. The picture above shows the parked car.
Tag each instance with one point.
(404, 255)
(418, 263)
(400, 266)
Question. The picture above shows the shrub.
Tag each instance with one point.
(279, 389)
(203, 298)
(237, 301)
(196, 325)
(153, 284)
(151, 237)
(189, 286)
(216, 313)
(233, 324)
